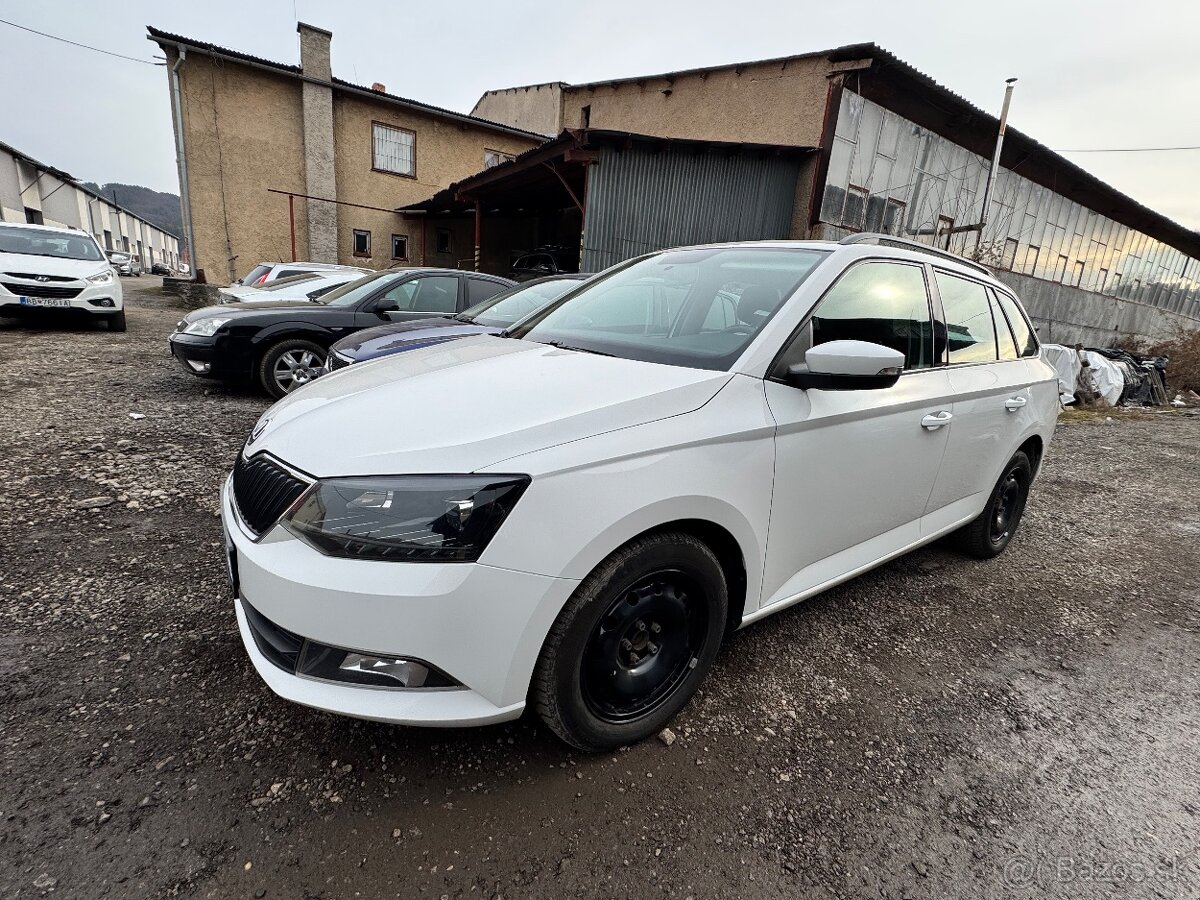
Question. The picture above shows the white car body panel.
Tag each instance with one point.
(79, 270)
(478, 401)
(813, 487)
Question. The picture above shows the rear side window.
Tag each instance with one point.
(881, 302)
(1026, 342)
(970, 333)
(1006, 345)
(479, 290)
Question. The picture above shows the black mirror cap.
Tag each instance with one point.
(799, 376)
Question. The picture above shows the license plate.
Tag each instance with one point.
(44, 301)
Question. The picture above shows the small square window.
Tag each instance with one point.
(493, 158)
(399, 246)
(444, 242)
(362, 242)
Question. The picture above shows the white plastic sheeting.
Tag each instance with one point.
(1066, 363)
(1106, 376)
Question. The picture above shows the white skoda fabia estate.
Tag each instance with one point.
(573, 514)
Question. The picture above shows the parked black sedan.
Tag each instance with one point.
(283, 345)
(489, 317)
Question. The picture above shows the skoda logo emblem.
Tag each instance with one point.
(258, 430)
(43, 278)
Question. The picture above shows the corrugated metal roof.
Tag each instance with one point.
(163, 37)
(582, 137)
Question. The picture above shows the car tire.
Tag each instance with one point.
(988, 534)
(116, 322)
(633, 643)
(291, 355)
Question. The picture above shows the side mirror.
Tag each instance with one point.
(847, 366)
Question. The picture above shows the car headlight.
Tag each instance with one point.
(104, 277)
(204, 327)
(405, 518)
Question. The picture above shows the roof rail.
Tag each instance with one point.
(890, 240)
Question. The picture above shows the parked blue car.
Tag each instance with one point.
(489, 317)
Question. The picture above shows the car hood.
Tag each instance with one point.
(385, 339)
(234, 310)
(463, 405)
(31, 264)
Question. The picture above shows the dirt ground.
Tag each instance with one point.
(937, 728)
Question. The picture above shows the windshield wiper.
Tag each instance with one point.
(561, 346)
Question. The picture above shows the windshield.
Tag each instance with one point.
(280, 284)
(697, 307)
(256, 273)
(517, 302)
(34, 242)
(351, 292)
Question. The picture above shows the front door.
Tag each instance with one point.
(854, 469)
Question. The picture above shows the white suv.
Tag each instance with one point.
(574, 514)
(57, 269)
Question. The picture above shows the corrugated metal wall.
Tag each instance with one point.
(641, 200)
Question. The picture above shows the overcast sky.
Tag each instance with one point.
(1102, 74)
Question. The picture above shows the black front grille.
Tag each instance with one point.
(262, 491)
(279, 645)
(33, 276)
(41, 290)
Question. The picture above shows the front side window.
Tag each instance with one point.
(659, 308)
(970, 333)
(394, 150)
(430, 294)
(883, 303)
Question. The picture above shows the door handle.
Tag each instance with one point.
(936, 420)
(1014, 403)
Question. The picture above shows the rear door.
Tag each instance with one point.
(854, 469)
(992, 398)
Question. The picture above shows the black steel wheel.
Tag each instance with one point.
(988, 534)
(633, 643)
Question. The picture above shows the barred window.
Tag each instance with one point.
(393, 149)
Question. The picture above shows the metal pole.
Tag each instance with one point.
(478, 230)
(292, 222)
(181, 161)
(991, 181)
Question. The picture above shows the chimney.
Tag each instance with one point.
(314, 51)
(379, 88)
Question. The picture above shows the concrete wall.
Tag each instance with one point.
(767, 103)
(537, 107)
(244, 132)
(10, 190)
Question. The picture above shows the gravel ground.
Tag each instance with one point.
(936, 728)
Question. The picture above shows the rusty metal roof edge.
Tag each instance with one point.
(581, 137)
(159, 36)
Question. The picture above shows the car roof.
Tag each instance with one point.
(889, 247)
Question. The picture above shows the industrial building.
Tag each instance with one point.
(893, 151)
(281, 161)
(36, 193)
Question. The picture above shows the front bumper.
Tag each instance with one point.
(91, 300)
(210, 357)
(481, 625)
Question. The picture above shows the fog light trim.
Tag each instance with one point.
(199, 367)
